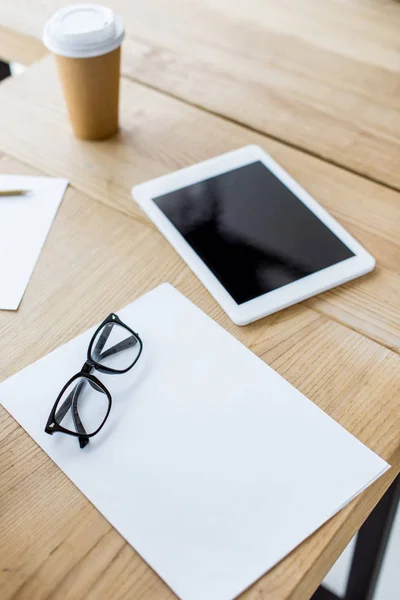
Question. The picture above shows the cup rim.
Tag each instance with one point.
(83, 44)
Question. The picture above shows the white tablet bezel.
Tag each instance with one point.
(245, 313)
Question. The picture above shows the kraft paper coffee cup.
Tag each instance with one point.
(86, 41)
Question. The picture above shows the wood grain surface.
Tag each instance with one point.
(16, 47)
(322, 76)
(314, 83)
(54, 544)
(159, 134)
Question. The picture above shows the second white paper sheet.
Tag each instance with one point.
(25, 222)
(211, 465)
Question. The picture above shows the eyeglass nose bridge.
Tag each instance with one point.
(87, 367)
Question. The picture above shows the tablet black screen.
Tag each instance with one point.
(251, 231)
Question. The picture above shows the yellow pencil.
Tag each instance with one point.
(14, 192)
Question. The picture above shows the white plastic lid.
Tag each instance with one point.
(83, 31)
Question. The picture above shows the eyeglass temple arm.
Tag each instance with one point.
(83, 439)
(72, 400)
(102, 339)
(123, 345)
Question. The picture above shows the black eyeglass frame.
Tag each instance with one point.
(52, 425)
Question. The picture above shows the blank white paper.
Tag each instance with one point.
(211, 465)
(25, 222)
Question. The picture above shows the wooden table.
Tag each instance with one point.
(314, 83)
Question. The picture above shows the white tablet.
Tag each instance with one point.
(254, 237)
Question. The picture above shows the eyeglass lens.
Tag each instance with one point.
(115, 347)
(82, 407)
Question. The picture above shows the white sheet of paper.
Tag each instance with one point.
(25, 222)
(211, 465)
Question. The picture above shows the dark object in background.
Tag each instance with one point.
(370, 549)
(4, 70)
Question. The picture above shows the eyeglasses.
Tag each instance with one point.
(84, 403)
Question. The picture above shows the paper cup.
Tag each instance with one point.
(86, 40)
